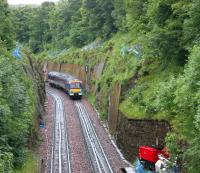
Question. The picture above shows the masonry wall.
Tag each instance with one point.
(132, 133)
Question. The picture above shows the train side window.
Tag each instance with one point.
(67, 86)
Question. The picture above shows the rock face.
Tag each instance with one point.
(113, 108)
(75, 70)
(132, 133)
(34, 70)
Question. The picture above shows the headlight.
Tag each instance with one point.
(80, 94)
(71, 94)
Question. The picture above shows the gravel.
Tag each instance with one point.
(80, 160)
(116, 160)
(46, 136)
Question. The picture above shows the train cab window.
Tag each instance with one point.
(75, 85)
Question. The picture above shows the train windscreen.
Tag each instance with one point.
(75, 85)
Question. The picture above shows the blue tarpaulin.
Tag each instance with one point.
(16, 53)
(139, 168)
(42, 124)
(135, 50)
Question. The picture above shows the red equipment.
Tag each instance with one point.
(150, 154)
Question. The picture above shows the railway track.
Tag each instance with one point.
(60, 154)
(98, 157)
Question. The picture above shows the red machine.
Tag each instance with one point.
(149, 156)
(152, 159)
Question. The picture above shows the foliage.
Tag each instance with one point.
(179, 99)
(119, 15)
(31, 164)
(6, 28)
(163, 26)
(6, 159)
(21, 18)
(40, 34)
(16, 109)
(70, 23)
(191, 23)
(164, 94)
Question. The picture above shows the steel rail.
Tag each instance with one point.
(95, 144)
(60, 137)
(66, 136)
(101, 158)
(53, 136)
(89, 120)
(98, 151)
(87, 135)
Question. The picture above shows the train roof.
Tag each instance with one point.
(65, 76)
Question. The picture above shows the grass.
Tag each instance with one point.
(91, 99)
(31, 165)
(146, 86)
(131, 110)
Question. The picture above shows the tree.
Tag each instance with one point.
(179, 100)
(21, 17)
(191, 25)
(61, 21)
(166, 20)
(6, 28)
(40, 33)
(135, 12)
(119, 15)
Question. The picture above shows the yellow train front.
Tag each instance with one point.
(74, 88)
(71, 85)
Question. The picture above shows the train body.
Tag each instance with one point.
(71, 85)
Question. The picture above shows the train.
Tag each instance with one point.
(68, 83)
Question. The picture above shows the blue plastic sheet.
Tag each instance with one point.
(135, 50)
(16, 53)
(42, 124)
(139, 168)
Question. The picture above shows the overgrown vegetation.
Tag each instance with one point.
(154, 42)
(31, 164)
(17, 99)
(17, 106)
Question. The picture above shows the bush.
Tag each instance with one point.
(16, 112)
(179, 99)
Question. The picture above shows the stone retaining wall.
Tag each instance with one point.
(132, 133)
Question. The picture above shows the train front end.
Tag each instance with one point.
(75, 89)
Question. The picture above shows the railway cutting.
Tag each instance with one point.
(76, 143)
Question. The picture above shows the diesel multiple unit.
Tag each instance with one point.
(71, 85)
